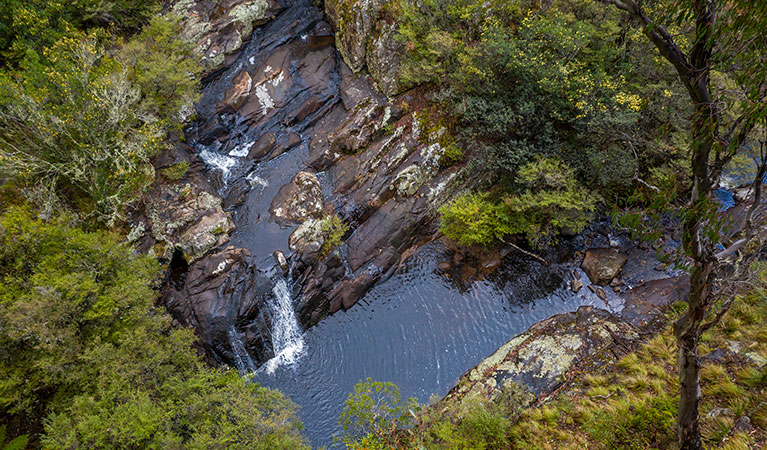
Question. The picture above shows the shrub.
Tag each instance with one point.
(176, 171)
(82, 344)
(83, 126)
(472, 219)
(374, 413)
(165, 68)
(333, 230)
(29, 26)
(550, 200)
(76, 127)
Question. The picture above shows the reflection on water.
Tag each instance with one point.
(419, 331)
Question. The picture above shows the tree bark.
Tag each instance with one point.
(687, 331)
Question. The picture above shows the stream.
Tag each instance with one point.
(420, 328)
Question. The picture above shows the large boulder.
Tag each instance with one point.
(300, 199)
(647, 302)
(366, 39)
(537, 362)
(603, 264)
(186, 217)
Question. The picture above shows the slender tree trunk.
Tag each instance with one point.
(688, 328)
(687, 331)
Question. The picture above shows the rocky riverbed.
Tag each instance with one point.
(302, 119)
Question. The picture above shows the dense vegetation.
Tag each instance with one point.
(89, 91)
(88, 361)
(558, 80)
(80, 120)
(632, 405)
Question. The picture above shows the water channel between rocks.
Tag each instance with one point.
(419, 329)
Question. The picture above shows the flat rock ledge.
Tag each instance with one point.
(553, 352)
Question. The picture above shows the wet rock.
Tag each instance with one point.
(220, 291)
(185, 216)
(646, 303)
(236, 96)
(601, 294)
(603, 264)
(262, 146)
(279, 257)
(360, 129)
(395, 224)
(219, 28)
(575, 285)
(299, 200)
(346, 294)
(307, 240)
(349, 291)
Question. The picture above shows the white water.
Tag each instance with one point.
(287, 336)
(218, 161)
(242, 359)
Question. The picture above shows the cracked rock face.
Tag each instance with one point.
(366, 39)
(219, 29)
(217, 296)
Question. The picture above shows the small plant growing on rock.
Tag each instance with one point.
(176, 171)
(334, 230)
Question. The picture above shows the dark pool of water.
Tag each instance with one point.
(420, 331)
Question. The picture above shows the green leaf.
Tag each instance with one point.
(20, 443)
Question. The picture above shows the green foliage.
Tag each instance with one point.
(550, 200)
(62, 289)
(81, 126)
(29, 26)
(176, 171)
(520, 81)
(75, 125)
(164, 68)
(640, 426)
(83, 346)
(373, 410)
(333, 230)
(18, 443)
(472, 219)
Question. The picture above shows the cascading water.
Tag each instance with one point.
(287, 336)
(242, 359)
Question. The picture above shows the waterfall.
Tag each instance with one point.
(242, 359)
(287, 336)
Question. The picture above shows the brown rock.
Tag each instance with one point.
(236, 95)
(603, 264)
(299, 199)
(262, 146)
(646, 302)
